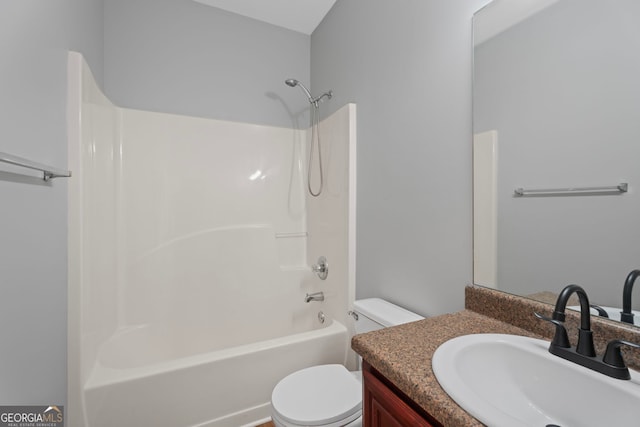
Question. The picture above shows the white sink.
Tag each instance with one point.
(512, 381)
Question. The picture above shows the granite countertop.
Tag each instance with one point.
(403, 355)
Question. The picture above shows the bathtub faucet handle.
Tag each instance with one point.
(316, 296)
(321, 268)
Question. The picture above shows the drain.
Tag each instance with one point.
(321, 320)
(552, 425)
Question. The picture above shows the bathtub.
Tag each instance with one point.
(146, 376)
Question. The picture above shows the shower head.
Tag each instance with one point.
(294, 83)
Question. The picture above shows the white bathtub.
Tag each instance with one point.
(147, 378)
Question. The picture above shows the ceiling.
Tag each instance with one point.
(304, 15)
(298, 15)
(500, 15)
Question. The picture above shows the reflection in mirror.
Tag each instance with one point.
(557, 89)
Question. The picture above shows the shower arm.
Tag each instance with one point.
(315, 101)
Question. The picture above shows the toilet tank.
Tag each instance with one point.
(376, 313)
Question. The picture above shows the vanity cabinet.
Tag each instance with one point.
(386, 406)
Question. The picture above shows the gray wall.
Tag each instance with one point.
(34, 38)
(188, 58)
(86, 33)
(565, 104)
(407, 65)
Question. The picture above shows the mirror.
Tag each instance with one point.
(557, 106)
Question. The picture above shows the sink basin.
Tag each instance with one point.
(511, 381)
(612, 312)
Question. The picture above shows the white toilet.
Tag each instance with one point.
(330, 395)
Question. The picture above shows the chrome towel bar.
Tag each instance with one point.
(620, 188)
(48, 171)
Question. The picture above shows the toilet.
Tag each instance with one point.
(330, 395)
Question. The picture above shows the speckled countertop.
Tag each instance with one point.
(403, 353)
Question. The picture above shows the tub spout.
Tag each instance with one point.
(316, 296)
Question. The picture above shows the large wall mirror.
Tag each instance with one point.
(557, 107)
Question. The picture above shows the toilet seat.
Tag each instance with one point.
(325, 395)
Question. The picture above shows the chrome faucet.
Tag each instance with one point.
(626, 315)
(584, 353)
(316, 296)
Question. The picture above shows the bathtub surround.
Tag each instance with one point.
(189, 243)
(331, 218)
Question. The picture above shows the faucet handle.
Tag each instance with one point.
(321, 268)
(601, 311)
(613, 355)
(560, 339)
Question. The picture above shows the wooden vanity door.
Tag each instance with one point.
(384, 408)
